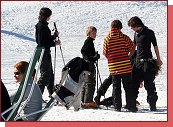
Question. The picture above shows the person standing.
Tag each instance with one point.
(145, 65)
(46, 40)
(90, 56)
(118, 48)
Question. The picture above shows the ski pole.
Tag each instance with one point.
(98, 72)
(54, 56)
(98, 75)
(59, 45)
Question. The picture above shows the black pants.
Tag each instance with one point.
(47, 76)
(89, 86)
(128, 87)
(145, 71)
(105, 85)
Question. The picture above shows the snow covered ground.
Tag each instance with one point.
(18, 21)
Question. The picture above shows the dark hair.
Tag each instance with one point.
(135, 22)
(116, 24)
(90, 29)
(44, 13)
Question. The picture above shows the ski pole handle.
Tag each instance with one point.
(56, 30)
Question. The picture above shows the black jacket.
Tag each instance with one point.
(43, 35)
(5, 100)
(88, 50)
(143, 40)
(76, 66)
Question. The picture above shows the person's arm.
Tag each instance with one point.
(132, 51)
(105, 47)
(131, 46)
(156, 49)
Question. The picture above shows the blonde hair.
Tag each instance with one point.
(90, 29)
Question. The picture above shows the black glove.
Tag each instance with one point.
(97, 56)
(56, 34)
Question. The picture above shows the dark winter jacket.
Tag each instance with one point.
(143, 40)
(5, 100)
(76, 66)
(43, 35)
(88, 50)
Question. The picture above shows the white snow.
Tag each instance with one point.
(18, 21)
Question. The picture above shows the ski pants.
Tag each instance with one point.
(47, 76)
(128, 87)
(89, 85)
(145, 71)
(105, 85)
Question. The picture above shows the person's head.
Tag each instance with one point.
(20, 69)
(44, 14)
(116, 24)
(135, 23)
(91, 32)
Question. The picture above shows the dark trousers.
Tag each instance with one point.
(128, 87)
(89, 86)
(145, 71)
(47, 76)
(105, 85)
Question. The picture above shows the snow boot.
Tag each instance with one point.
(107, 101)
(152, 102)
(89, 105)
(97, 99)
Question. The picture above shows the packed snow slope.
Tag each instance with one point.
(18, 21)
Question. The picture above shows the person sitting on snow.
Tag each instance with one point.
(68, 91)
(35, 102)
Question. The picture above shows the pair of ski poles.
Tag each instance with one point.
(98, 76)
(56, 30)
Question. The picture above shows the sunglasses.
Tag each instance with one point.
(17, 73)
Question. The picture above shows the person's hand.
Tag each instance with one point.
(97, 56)
(57, 42)
(56, 33)
(160, 63)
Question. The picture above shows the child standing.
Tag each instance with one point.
(45, 39)
(91, 56)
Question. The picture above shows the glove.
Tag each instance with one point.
(97, 56)
(56, 34)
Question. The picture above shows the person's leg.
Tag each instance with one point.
(130, 94)
(45, 71)
(149, 85)
(83, 92)
(116, 94)
(90, 85)
(50, 86)
(103, 88)
(77, 102)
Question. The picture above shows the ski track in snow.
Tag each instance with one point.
(17, 33)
